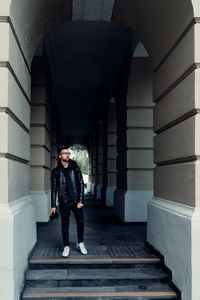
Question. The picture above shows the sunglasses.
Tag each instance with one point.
(65, 153)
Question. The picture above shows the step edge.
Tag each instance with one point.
(159, 293)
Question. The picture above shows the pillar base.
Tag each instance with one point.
(173, 229)
(131, 206)
(98, 189)
(18, 237)
(89, 187)
(42, 204)
(110, 195)
(93, 188)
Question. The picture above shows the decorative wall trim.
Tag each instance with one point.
(137, 127)
(122, 130)
(140, 107)
(182, 118)
(39, 167)
(136, 169)
(41, 125)
(6, 64)
(134, 148)
(178, 160)
(181, 209)
(15, 118)
(14, 157)
(185, 74)
(6, 19)
(40, 146)
(194, 21)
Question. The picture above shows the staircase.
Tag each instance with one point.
(89, 277)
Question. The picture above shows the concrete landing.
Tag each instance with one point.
(104, 235)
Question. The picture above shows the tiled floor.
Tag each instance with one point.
(104, 235)
(117, 266)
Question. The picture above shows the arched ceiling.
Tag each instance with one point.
(150, 20)
(84, 58)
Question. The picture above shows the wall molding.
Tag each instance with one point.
(175, 207)
(194, 21)
(14, 157)
(178, 160)
(39, 167)
(134, 169)
(41, 125)
(7, 19)
(15, 118)
(182, 118)
(185, 74)
(6, 64)
(40, 146)
(133, 148)
(139, 107)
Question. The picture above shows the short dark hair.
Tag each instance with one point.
(61, 148)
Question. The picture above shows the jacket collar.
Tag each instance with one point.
(70, 165)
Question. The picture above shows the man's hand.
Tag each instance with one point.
(79, 205)
(53, 209)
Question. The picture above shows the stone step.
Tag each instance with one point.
(141, 292)
(93, 277)
(94, 263)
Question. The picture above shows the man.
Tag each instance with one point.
(67, 180)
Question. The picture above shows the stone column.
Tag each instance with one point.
(135, 145)
(93, 164)
(40, 147)
(89, 169)
(99, 175)
(17, 215)
(111, 153)
(54, 152)
(174, 211)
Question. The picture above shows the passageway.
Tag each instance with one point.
(118, 264)
(121, 78)
(102, 229)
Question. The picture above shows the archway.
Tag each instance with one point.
(80, 154)
(176, 73)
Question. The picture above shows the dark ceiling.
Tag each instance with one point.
(84, 57)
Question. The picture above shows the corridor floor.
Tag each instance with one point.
(117, 266)
(104, 235)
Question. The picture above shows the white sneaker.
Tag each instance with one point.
(66, 251)
(81, 248)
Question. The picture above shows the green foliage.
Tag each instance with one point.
(80, 155)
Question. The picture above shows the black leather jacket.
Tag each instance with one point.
(58, 183)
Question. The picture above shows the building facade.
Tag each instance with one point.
(144, 150)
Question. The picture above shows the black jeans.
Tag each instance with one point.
(65, 210)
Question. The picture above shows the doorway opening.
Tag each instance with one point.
(81, 156)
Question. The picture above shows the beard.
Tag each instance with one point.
(65, 160)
